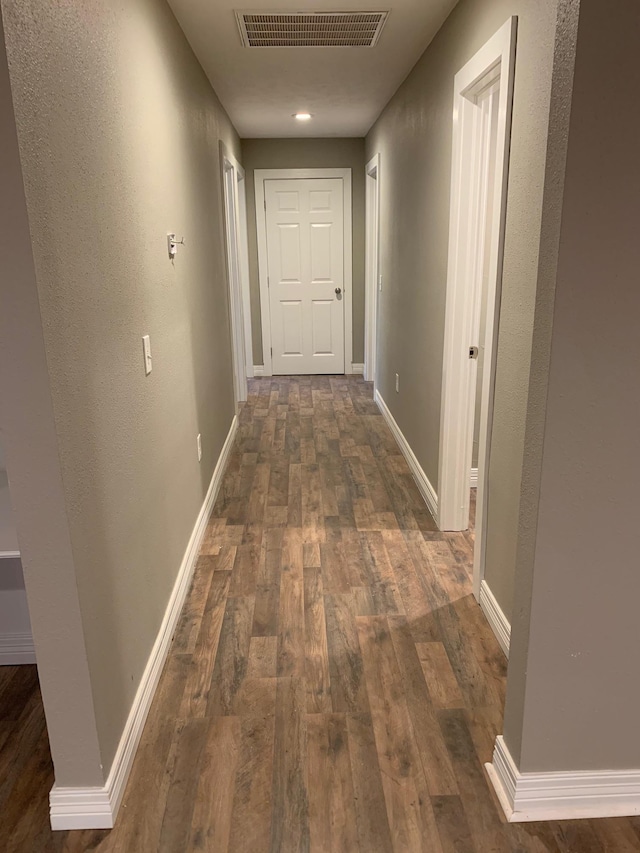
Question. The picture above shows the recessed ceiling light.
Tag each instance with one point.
(302, 116)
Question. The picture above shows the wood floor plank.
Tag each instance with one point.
(291, 618)
(252, 802)
(397, 750)
(232, 657)
(482, 814)
(332, 824)
(263, 657)
(290, 823)
(439, 676)
(213, 798)
(346, 671)
(434, 756)
(176, 824)
(196, 693)
(455, 835)
(316, 649)
(371, 814)
(267, 597)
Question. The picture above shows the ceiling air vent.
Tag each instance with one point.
(310, 29)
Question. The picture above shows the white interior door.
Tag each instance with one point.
(305, 258)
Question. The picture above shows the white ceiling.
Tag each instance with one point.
(345, 89)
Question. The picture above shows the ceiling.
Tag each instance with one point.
(344, 89)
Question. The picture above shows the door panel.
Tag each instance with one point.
(321, 253)
(291, 327)
(305, 256)
(321, 336)
(290, 253)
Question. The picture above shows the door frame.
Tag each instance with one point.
(245, 276)
(262, 175)
(236, 245)
(372, 267)
(496, 60)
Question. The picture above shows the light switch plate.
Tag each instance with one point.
(146, 350)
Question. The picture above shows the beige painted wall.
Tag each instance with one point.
(308, 154)
(29, 442)
(574, 702)
(414, 137)
(119, 138)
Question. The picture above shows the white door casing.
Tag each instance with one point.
(304, 249)
(243, 246)
(233, 230)
(481, 132)
(372, 267)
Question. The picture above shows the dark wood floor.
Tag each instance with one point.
(332, 685)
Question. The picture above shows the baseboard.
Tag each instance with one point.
(16, 640)
(495, 617)
(258, 369)
(16, 649)
(561, 795)
(473, 479)
(426, 489)
(97, 808)
(357, 369)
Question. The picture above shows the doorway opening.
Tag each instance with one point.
(373, 280)
(238, 272)
(483, 94)
(303, 221)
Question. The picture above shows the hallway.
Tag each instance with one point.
(332, 685)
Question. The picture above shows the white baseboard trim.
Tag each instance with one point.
(473, 480)
(258, 369)
(426, 489)
(561, 795)
(97, 808)
(16, 649)
(357, 369)
(495, 617)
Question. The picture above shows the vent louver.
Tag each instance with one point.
(310, 29)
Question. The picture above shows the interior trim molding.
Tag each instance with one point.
(357, 369)
(258, 369)
(97, 807)
(561, 795)
(422, 481)
(495, 617)
(17, 649)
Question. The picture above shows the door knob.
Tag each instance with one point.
(338, 291)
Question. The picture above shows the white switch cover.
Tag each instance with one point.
(146, 349)
(199, 440)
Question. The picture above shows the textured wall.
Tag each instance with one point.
(308, 154)
(578, 708)
(119, 136)
(414, 138)
(29, 443)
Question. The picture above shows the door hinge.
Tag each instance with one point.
(271, 352)
(268, 282)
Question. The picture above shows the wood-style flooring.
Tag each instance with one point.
(332, 684)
